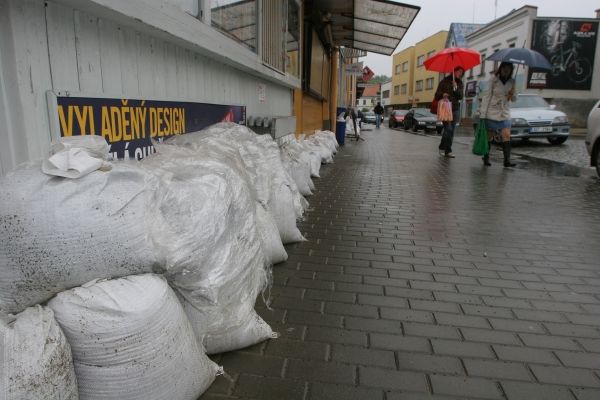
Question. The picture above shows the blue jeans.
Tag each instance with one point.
(448, 133)
(377, 120)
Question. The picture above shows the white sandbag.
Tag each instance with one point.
(322, 148)
(271, 184)
(204, 224)
(329, 138)
(37, 363)
(59, 233)
(298, 170)
(130, 340)
(314, 156)
(267, 227)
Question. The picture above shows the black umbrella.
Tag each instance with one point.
(522, 56)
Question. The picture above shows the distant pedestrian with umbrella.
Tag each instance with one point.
(453, 60)
(451, 87)
(495, 109)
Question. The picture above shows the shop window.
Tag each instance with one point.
(236, 19)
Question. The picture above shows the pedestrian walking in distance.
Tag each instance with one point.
(495, 109)
(452, 86)
(378, 110)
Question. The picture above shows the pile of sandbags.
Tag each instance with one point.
(209, 211)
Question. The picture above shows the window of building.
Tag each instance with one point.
(236, 19)
(429, 83)
(397, 69)
(405, 66)
(397, 90)
(404, 88)
(482, 65)
(470, 73)
(432, 52)
(385, 94)
(495, 62)
(292, 64)
(511, 44)
(420, 60)
(419, 86)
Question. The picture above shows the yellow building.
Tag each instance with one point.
(426, 82)
(402, 78)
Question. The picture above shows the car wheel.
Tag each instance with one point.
(557, 140)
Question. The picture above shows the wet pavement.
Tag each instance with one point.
(432, 278)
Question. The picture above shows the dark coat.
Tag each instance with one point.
(446, 86)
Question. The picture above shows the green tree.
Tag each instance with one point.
(379, 79)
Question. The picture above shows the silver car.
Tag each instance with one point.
(533, 118)
(592, 139)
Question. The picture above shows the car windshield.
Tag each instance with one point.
(369, 113)
(400, 113)
(423, 113)
(529, 102)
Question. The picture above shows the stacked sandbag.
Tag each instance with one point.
(328, 138)
(313, 153)
(36, 362)
(301, 165)
(271, 184)
(131, 340)
(203, 223)
(59, 233)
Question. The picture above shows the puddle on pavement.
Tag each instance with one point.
(546, 167)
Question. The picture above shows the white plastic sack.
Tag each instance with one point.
(204, 224)
(76, 156)
(322, 148)
(59, 233)
(37, 363)
(298, 170)
(271, 184)
(267, 227)
(131, 340)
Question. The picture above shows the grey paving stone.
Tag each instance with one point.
(489, 336)
(357, 310)
(515, 304)
(329, 295)
(462, 349)
(586, 393)
(465, 386)
(331, 335)
(565, 376)
(479, 290)
(429, 363)
(430, 330)
(408, 293)
(572, 330)
(317, 371)
(579, 359)
(498, 370)
(297, 349)
(405, 315)
(373, 325)
(258, 364)
(516, 325)
(458, 297)
(544, 316)
(592, 345)
(313, 318)
(358, 288)
(487, 311)
(269, 388)
(375, 280)
(329, 391)
(389, 379)
(461, 320)
(549, 342)
(433, 286)
(434, 306)
(525, 354)
(399, 343)
(362, 356)
(535, 391)
(387, 301)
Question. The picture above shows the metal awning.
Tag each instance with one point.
(376, 26)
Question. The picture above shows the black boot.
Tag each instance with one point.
(506, 151)
(486, 157)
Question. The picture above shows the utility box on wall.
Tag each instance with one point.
(277, 127)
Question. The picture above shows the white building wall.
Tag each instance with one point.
(500, 35)
(386, 101)
(52, 46)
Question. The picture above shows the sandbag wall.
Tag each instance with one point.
(167, 253)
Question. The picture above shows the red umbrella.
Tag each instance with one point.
(447, 59)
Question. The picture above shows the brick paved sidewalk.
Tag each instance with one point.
(432, 278)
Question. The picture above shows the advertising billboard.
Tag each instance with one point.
(570, 47)
(129, 125)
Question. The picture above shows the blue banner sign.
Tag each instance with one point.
(129, 125)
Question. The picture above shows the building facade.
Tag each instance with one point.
(561, 41)
(403, 78)
(426, 82)
(385, 99)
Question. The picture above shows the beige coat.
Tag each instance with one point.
(495, 102)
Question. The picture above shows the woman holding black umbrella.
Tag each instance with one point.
(495, 109)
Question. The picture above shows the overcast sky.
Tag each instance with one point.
(436, 15)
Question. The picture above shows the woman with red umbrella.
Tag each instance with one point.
(454, 60)
(452, 87)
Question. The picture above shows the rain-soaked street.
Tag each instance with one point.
(432, 278)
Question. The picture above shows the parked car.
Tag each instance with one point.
(369, 117)
(396, 118)
(533, 118)
(422, 119)
(592, 139)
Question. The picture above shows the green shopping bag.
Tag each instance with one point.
(481, 146)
